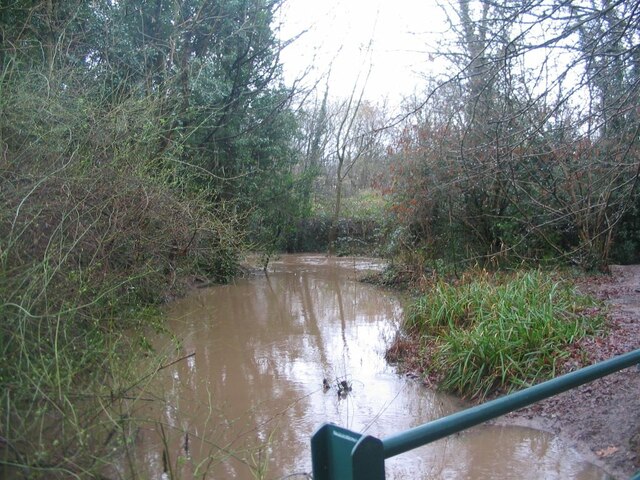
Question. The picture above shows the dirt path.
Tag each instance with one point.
(602, 419)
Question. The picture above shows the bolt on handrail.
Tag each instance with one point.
(338, 453)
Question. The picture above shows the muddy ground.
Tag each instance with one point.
(602, 419)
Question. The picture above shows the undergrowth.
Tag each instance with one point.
(84, 265)
(498, 332)
(95, 233)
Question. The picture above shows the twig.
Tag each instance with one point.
(162, 367)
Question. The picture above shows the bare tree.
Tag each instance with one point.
(543, 150)
(354, 137)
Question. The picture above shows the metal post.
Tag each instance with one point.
(331, 448)
(340, 454)
(368, 459)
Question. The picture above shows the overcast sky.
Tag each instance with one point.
(392, 37)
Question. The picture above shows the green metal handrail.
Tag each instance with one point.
(338, 453)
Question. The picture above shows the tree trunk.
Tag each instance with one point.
(333, 229)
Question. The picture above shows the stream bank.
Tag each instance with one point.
(601, 419)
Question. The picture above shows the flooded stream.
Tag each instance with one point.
(246, 404)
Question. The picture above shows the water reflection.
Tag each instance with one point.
(246, 405)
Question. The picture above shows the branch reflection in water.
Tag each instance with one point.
(277, 355)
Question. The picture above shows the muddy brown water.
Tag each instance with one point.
(246, 404)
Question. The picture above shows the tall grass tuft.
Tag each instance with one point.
(503, 331)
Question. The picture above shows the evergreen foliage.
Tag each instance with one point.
(139, 141)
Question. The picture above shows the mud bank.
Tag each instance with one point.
(601, 419)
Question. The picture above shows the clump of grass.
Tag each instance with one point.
(503, 331)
